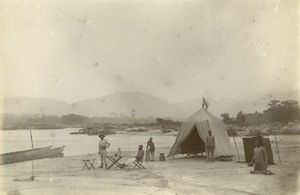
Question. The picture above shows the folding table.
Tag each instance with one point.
(115, 161)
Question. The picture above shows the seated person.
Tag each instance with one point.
(139, 157)
(140, 154)
(260, 158)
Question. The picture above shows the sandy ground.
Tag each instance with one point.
(174, 176)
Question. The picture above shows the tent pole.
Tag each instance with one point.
(32, 168)
(236, 148)
(277, 148)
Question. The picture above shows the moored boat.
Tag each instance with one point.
(26, 155)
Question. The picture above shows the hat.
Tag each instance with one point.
(101, 135)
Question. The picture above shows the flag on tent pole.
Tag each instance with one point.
(205, 104)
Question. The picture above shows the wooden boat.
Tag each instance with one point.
(53, 153)
(26, 155)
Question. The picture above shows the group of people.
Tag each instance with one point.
(259, 160)
(104, 144)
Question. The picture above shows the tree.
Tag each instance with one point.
(240, 119)
(227, 120)
(290, 103)
(285, 111)
(72, 119)
(254, 118)
(288, 111)
(274, 103)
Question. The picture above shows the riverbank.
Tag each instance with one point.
(174, 176)
(109, 129)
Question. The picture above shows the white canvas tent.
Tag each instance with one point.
(193, 131)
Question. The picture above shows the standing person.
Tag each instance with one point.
(260, 158)
(210, 146)
(103, 144)
(151, 148)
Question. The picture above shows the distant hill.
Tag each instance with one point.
(144, 105)
(29, 105)
(117, 104)
(233, 106)
(121, 104)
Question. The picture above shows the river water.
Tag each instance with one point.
(16, 140)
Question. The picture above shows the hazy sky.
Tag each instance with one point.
(179, 50)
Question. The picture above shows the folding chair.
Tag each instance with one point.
(88, 164)
(138, 164)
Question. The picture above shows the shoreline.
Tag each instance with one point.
(150, 132)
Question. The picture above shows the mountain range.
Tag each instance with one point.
(138, 103)
(117, 104)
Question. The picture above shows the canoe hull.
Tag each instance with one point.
(26, 155)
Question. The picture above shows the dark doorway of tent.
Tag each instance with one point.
(193, 144)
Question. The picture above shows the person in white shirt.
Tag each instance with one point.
(103, 145)
(210, 146)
